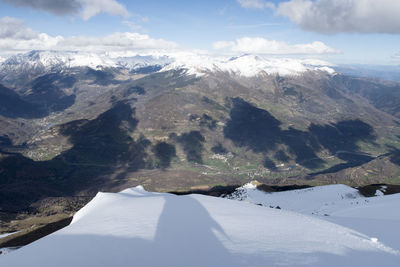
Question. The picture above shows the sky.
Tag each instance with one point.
(340, 31)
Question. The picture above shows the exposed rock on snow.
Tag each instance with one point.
(314, 200)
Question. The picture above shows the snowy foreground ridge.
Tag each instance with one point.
(139, 228)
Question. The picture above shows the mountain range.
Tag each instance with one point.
(73, 123)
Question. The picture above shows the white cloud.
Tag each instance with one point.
(223, 44)
(93, 7)
(258, 45)
(84, 8)
(15, 37)
(42, 41)
(119, 41)
(256, 4)
(15, 28)
(396, 56)
(135, 21)
(327, 16)
(252, 26)
(133, 26)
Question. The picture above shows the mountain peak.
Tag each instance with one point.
(247, 65)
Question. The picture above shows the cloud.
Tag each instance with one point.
(258, 45)
(251, 26)
(396, 56)
(119, 41)
(94, 7)
(132, 25)
(85, 8)
(15, 37)
(327, 16)
(15, 28)
(58, 7)
(256, 4)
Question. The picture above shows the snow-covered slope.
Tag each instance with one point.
(193, 63)
(137, 62)
(49, 60)
(336, 200)
(45, 61)
(246, 65)
(318, 200)
(138, 228)
(375, 216)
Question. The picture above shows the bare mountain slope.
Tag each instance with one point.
(218, 122)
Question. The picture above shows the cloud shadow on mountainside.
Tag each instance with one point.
(47, 92)
(192, 143)
(394, 155)
(98, 147)
(14, 106)
(261, 132)
(103, 150)
(45, 95)
(164, 152)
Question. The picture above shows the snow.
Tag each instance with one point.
(49, 60)
(376, 216)
(333, 200)
(193, 63)
(326, 69)
(381, 191)
(140, 228)
(382, 207)
(7, 234)
(246, 65)
(88, 60)
(139, 61)
(314, 200)
(4, 251)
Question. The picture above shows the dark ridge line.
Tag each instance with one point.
(25, 239)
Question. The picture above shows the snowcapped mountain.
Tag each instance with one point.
(47, 61)
(136, 227)
(246, 65)
(138, 61)
(52, 60)
(193, 63)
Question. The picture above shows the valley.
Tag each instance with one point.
(180, 129)
(199, 133)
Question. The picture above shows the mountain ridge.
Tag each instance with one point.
(134, 224)
(39, 61)
(173, 130)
